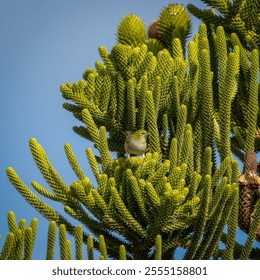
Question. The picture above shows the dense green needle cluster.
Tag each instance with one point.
(185, 193)
(237, 16)
(240, 20)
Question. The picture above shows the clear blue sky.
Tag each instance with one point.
(43, 45)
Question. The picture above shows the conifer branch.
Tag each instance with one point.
(106, 158)
(122, 252)
(152, 124)
(212, 225)
(180, 129)
(73, 162)
(173, 156)
(7, 247)
(91, 126)
(228, 253)
(11, 222)
(158, 248)
(41, 190)
(93, 163)
(51, 241)
(90, 248)
(79, 242)
(102, 247)
(125, 214)
(253, 106)
(69, 250)
(28, 244)
(62, 242)
(252, 232)
(201, 219)
(196, 109)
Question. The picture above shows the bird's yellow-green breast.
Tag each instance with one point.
(136, 143)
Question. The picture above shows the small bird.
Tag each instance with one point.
(135, 143)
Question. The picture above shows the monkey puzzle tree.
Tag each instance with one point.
(186, 191)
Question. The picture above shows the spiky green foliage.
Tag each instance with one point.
(155, 86)
(240, 20)
(142, 205)
(20, 241)
(252, 232)
(18, 244)
(174, 22)
(238, 16)
(178, 195)
(131, 31)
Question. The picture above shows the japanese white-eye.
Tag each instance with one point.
(136, 143)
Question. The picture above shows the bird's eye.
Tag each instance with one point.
(141, 133)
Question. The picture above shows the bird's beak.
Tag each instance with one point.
(147, 133)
